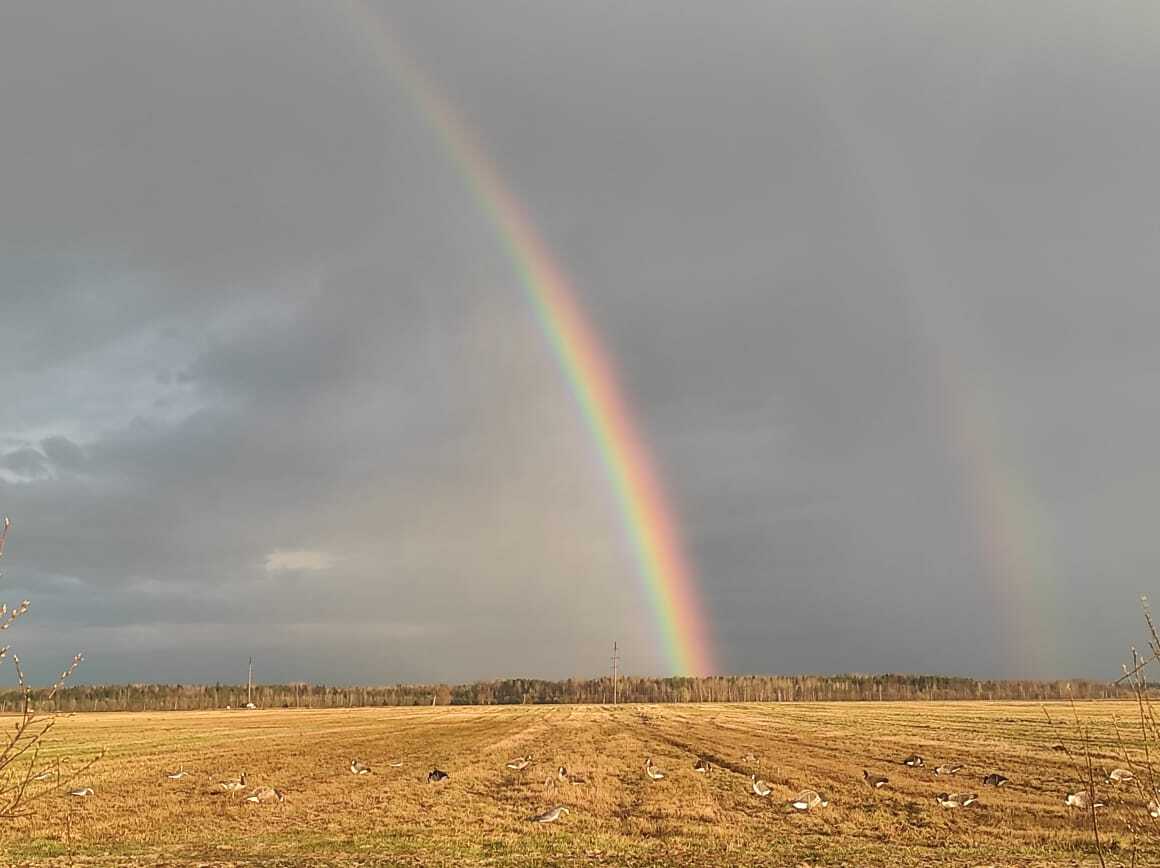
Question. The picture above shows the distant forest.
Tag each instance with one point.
(533, 691)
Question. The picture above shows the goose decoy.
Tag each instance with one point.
(43, 776)
(561, 775)
(233, 786)
(1083, 800)
(266, 794)
(702, 766)
(177, 775)
(995, 780)
(807, 800)
(652, 771)
(550, 816)
(395, 764)
(1120, 776)
(914, 761)
(749, 758)
(1154, 809)
(436, 776)
(359, 768)
(82, 792)
(956, 800)
(876, 781)
(520, 763)
(759, 787)
(948, 770)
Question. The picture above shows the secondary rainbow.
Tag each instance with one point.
(649, 522)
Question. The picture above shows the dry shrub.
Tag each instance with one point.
(23, 779)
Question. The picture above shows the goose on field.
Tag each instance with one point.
(266, 794)
(232, 786)
(652, 771)
(956, 800)
(1082, 800)
(759, 787)
(550, 816)
(1120, 776)
(808, 800)
(876, 781)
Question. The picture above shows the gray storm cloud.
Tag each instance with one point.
(879, 282)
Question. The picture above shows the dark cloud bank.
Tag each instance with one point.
(880, 281)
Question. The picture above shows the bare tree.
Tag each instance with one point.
(23, 780)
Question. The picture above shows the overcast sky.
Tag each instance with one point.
(882, 282)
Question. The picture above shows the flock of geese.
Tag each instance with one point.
(806, 800)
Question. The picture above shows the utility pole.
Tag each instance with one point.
(250, 684)
(615, 672)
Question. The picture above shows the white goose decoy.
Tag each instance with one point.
(520, 763)
(759, 787)
(177, 775)
(702, 766)
(956, 800)
(807, 800)
(395, 764)
(1154, 809)
(359, 768)
(652, 771)
(1082, 800)
(82, 792)
(43, 776)
(550, 816)
(948, 770)
(1120, 776)
(266, 794)
(233, 786)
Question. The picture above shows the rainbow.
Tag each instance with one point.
(649, 522)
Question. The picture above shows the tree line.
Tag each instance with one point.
(535, 691)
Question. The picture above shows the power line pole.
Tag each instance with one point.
(615, 672)
(250, 684)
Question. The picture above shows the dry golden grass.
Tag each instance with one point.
(392, 816)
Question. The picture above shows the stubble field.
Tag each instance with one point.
(136, 816)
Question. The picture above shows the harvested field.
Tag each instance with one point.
(137, 816)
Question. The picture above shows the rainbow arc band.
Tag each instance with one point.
(670, 586)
